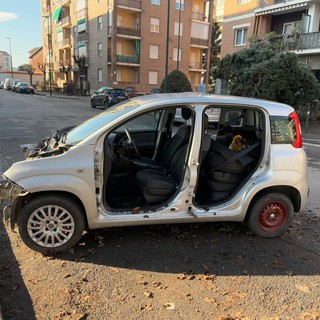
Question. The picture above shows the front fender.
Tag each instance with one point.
(75, 185)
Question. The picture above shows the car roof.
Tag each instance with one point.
(185, 98)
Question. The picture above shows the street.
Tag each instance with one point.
(199, 271)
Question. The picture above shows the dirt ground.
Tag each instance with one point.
(198, 271)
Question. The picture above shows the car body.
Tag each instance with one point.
(107, 97)
(14, 84)
(130, 166)
(131, 91)
(24, 87)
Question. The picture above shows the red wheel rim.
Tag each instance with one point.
(273, 216)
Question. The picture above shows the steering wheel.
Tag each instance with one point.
(131, 141)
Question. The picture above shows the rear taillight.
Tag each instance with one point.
(296, 130)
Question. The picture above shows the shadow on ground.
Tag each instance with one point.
(13, 291)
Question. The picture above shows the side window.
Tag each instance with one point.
(283, 130)
(145, 122)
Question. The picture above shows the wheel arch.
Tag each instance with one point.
(292, 193)
(20, 202)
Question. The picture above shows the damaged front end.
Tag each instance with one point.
(12, 196)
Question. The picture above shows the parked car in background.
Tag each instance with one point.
(126, 166)
(7, 84)
(131, 91)
(14, 84)
(24, 87)
(100, 97)
(155, 91)
(107, 97)
(2, 84)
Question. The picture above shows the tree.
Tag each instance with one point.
(215, 44)
(177, 82)
(262, 72)
(81, 61)
(43, 68)
(25, 67)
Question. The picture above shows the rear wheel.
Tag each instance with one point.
(271, 215)
(51, 223)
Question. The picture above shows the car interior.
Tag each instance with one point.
(145, 158)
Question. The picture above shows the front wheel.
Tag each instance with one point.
(51, 223)
(93, 105)
(271, 215)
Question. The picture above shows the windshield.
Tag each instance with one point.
(92, 125)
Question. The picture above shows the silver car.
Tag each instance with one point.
(129, 165)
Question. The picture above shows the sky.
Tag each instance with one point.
(20, 20)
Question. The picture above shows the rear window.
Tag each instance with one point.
(283, 130)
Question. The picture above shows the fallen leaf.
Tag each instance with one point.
(302, 287)
(169, 306)
(148, 294)
(115, 270)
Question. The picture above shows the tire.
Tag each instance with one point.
(93, 105)
(270, 215)
(105, 105)
(51, 223)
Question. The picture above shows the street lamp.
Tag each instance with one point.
(10, 56)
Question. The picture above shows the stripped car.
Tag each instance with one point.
(130, 165)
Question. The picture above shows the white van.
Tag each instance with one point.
(7, 84)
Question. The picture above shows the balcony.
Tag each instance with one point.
(275, 6)
(65, 43)
(297, 42)
(128, 59)
(199, 42)
(64, 22)
(129, 32)
(196, 65)
(60, 3)
(199, 16)
(130, 4)
(83, 37)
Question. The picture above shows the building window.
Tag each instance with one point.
(119, 21)
(153, 77)
(155, 2)
(100, 49)
(243, 1)
(119, 75)
(155, 25)
(175, 54)
(177, 31)
(154, 52)
(180, 5)
(240, 36)
(99, 75)
(100, 23)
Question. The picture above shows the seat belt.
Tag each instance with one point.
(237, 156)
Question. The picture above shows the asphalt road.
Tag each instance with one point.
(206, 271)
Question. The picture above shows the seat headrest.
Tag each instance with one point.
(186, 113)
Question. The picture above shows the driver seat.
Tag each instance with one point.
(171, 146)
(158, 186)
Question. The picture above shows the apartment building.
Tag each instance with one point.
(5, 61)
(121, 43)
(295, 25)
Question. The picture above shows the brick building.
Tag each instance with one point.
(126, 42)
